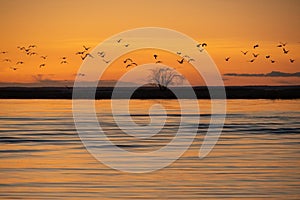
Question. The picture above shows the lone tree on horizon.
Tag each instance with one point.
(163, 77)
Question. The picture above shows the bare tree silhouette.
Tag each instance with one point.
(163, 77)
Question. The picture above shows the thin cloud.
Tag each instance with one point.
(271, 74)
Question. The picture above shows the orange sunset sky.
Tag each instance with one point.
(61, 27)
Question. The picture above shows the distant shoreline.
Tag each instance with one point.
(232, 92)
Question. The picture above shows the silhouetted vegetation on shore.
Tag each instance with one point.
(232, 92)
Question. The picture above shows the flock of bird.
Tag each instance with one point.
(84, 53)
(268, 57)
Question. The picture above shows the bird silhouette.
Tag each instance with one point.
(32, 53)
(255, 46)
(201, 50)
(101, 54)
(6, 60)
(155, 56)
(244, 52)
(157, 62)
(80, 74)
(42, 65)
(106, 61)
(255, 55)
(283, 44)
(119, 40)
(127, 59)
(180, 61)
(178, 53)
(32, 46)
(267, 56)
(64, 62)
(251, 60)
(131, 64)
(21, 48)
(19, 63)
(126, 45)
(83, 57)
(186, 56)
(4, 52)
(201, 45)
(27, 51)
(279, 45)
(87, 55)
(285, 51)
(272, 61)
(64, 58)
(292, 60)
(44, 57)
(191, 60)
(80, 52)
(227, 59)
(14, 68)
(86, 48)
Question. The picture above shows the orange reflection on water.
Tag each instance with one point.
(257, 155)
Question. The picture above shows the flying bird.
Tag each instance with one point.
(106, 61)
(6, 60)
(244, 52)
(178, 53)
(21, 48)
(20, 62)
(180, 61)
(255, 46)
(155, 56)
(119, 40)
(126, 45)
(89, 55)
(255, 55)
(83, 57)
(282, 44)
(4, 52)
(32, 46)
(272, 61)
(80, 74)
(186, 56)
(127, 59)
(101, 54)
(79, 52)
(131, 64)
(191, 60)
(292, 60)
(42, 65)
(32, 53)
(86, 48)
(251, 60)
(285, 51)
(157, 62)
(64, 62)
(86, 55)
(201, 50)
(44, 57)
(14, 68)
(201, 45)
(227, 59)
(267, 56)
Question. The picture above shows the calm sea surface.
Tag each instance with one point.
(256, 157)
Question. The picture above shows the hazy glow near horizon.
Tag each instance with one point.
(61, 27)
